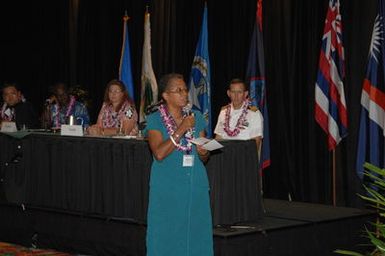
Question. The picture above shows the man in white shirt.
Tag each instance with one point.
(236, 120)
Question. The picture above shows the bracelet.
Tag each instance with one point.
(173, 140)
(176, 135)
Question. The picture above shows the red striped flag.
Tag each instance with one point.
(330, 105)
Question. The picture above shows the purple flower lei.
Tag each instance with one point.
(69, 109)
(108, 120)
(241, 120)
(171, 127)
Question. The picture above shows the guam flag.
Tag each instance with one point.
(256, 79)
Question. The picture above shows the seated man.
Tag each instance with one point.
(16, 109)
(236, 120)
(62, 106)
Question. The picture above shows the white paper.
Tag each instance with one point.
(207, 144)
(212, 145)
(200, 141)
(124, 137)
(8, 126)
(71, 130)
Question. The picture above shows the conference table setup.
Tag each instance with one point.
(109, 176)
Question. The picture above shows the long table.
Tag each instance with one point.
(110, 177)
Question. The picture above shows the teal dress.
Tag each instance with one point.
(179, 216)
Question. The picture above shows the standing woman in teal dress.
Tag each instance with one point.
(179, 217)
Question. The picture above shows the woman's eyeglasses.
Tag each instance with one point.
(179, 91)
(115, 91)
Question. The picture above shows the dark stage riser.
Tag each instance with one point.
(279, 233)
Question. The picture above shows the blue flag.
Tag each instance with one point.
(256, 78)
(372, 123)
(199, 84)
(125, 73)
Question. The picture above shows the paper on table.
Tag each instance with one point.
(207, 144)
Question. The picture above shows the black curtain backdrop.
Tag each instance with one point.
(79, 42)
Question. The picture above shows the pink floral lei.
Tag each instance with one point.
(108, 120)
(69, 109)
(171, 127)
(241, 120)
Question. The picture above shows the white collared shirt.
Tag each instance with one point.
(251, 128)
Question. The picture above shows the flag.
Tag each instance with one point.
(149, 88)
(256, 78)
(125, 73)
(372, 121)
(330, 106)
(200, 82)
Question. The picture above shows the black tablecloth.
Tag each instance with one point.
(109, 177)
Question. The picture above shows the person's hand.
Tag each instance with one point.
(187, 123)
(52, 100)
(201, 151)
(94, 130)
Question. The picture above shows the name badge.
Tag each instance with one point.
(188, 160)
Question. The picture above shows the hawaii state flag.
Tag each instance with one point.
(256, 79)
(149, 88)
(199, 84)
(330, 105)
(125, 73)
(372, 123)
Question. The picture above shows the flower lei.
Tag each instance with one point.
(69, 109)
(4, 116)
(171, 127)
(241, 120)
(112, 118)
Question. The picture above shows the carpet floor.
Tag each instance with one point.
(7, 249)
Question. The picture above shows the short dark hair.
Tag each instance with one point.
(239, 81)
(10, 84)
(58, 85)
(164, 82)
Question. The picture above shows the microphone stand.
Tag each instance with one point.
(46, 118)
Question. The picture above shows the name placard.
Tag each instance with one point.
(71, 130)
(8, 126)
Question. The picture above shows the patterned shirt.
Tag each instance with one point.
(109, 118)
(78, 111)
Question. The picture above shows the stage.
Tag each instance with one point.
(89, 195)
(287, 228)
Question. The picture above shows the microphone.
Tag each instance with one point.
(50, 100)
(187, 109)
(47, 102)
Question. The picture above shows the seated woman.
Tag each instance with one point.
(118, 114)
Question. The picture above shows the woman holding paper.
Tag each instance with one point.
(179, 218)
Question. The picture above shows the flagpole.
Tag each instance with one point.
(334, 176)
